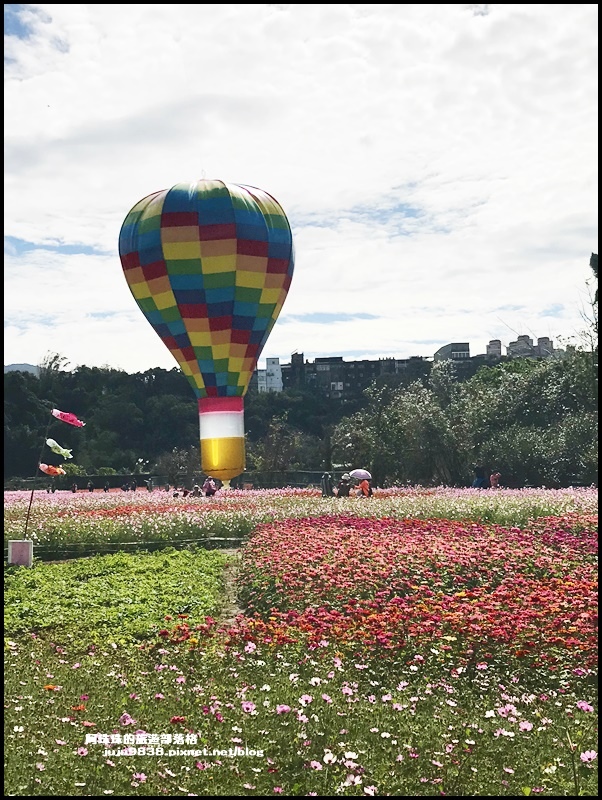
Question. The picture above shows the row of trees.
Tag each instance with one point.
(533, 420)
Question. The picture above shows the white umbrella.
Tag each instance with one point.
(361, 474)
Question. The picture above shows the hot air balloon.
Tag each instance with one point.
(209, 264)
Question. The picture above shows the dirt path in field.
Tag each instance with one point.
(230, 609)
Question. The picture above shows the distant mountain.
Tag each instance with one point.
(21, 368)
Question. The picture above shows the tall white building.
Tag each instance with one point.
(270, 378)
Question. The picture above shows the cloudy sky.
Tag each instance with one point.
(437, 162)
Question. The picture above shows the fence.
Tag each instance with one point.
(297, 479)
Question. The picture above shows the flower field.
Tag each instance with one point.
(420, 642)
(64, 520)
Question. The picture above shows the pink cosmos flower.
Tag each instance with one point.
(282, 709)
(82, 751)
(583, 706)
(247, 706)
(139, 776)
(315, 765)
(588, 755)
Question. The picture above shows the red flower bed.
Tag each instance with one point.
(392, 584)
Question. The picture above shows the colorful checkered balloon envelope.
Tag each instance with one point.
(210, 264)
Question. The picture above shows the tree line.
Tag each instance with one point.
(533, 420)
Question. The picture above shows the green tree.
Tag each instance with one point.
(179, 465)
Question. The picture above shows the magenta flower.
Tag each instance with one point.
(583, 706)
(159, 696)
(139, 776)
(247, 706)
(82, 751)
(282, 709)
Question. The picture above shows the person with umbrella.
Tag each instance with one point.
(364, 478)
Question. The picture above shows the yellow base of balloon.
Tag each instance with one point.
(223, 458)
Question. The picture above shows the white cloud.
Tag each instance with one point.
(437, 164)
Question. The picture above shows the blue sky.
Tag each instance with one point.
(437, 162)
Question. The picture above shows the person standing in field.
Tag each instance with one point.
(327, 485)
(209, 486)
(480, 481)
(494, 480)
